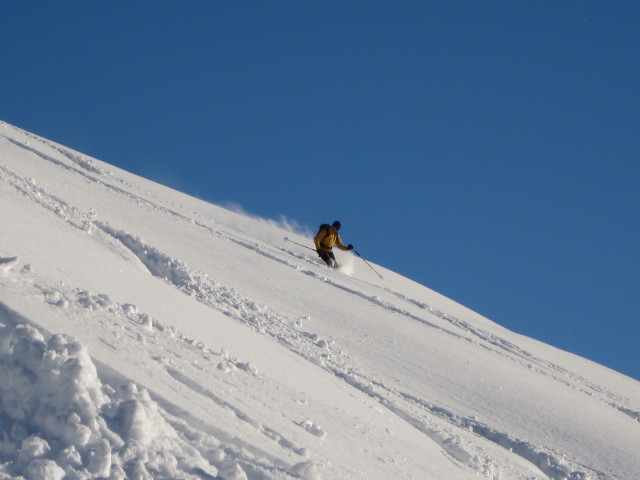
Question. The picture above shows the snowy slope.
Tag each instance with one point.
(147, 334)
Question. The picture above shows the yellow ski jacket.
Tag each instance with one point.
(327, 238)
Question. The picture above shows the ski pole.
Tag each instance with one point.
(287, 240)
(356, 252)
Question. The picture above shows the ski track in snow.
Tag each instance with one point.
(217, 451)
(327, 354)
(333, 359)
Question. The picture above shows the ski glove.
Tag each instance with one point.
(319, 252)
(350, 247)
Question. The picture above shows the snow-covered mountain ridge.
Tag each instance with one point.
(148, 334)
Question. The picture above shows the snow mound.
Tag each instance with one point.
(6, 263)
(59, 421)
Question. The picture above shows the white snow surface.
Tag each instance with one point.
(147, 334)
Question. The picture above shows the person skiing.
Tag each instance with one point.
(326, 238)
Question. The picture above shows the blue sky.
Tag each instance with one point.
(489, 150)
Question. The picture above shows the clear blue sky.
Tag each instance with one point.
(487, 149)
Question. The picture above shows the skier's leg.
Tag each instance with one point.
(326, 257)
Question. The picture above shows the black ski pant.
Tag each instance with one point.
(329, 258)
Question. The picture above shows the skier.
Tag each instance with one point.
(326, 238)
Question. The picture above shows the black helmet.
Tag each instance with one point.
(337, 225)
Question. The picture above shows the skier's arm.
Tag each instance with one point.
(319, 237)
(341, 245)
